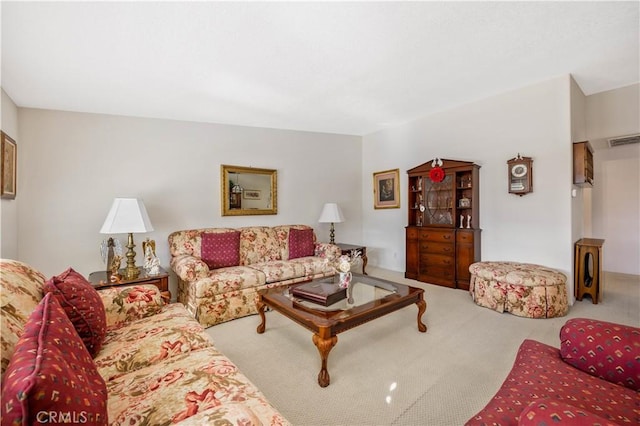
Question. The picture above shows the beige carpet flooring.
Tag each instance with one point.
(385, 372)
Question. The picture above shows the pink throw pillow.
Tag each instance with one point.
(51, 377)
(83, 306)
(219, 250)
(300, 243)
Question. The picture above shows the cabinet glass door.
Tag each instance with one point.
(439, 201)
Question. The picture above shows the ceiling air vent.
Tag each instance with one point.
(624, 140)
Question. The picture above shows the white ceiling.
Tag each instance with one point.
(336, 67)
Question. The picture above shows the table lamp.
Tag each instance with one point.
(331, 214)
(128, 216)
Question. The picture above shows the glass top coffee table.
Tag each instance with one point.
(372, 298)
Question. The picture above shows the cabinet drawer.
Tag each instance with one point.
(436, 235)
(464, 237)
(437, 248)
(437, 260)
(439, 273)
(412, 233)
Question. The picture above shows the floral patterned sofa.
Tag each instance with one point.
(523, 289)
(593, 379)
(221, 270)
(74, 355)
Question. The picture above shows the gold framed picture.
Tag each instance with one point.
(251, 194)
(386, 189)
(8, 160)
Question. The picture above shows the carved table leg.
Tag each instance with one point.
(260, 305)
(324, 345)
(422, 307)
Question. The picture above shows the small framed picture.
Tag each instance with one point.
(251, 194)
(9, 156)
(386, 189)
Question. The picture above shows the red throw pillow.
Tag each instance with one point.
(300, 243)
(219, 250)
(603, 349)
(83, 306)
(51, 377)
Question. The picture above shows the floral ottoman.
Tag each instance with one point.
(523, 289)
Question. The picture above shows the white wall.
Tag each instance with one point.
(616, 189)
(76, 163)
(533, 121)
(9, 208)
(581, 201)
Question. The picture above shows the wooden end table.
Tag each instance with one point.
(100, 280)
(347, 248)
(373, 298)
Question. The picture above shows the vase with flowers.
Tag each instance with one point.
(344, 264)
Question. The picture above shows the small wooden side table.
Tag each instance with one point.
(587, 280)
(347, 248)
(99, 280)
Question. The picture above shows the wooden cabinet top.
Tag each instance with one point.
(446, 164)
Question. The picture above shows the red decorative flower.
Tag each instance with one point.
(436, 174)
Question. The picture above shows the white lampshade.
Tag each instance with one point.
(331, 213)
(127, 215)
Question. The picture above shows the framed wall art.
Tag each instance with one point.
(386, 189)
(8, 160)
(251, 194)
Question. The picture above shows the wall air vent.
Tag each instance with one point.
(624, 140)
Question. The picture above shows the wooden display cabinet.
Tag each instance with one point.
(582, 164)
(443, 232)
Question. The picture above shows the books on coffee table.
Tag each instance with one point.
(323, 293)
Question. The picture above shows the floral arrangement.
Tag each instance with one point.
(346, 261)
(436, 174)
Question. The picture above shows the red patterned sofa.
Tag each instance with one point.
(119, 356)
(221, 270)
(594, 378)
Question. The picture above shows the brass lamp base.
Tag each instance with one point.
(131, 272)
(332, 234)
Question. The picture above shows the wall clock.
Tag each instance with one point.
(520, 172)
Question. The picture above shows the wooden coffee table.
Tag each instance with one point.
(373, 298)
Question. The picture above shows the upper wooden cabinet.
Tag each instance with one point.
(582, 164)
(443, 235)
(450, 202)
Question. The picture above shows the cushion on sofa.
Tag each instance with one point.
(149, 340)
(544, 412)
(51, 377)
(183, 388)
(20, 293)
(278, 271)
(300, 243)
(221, 250)
(603, 349)
(259, 244)
(83, 306)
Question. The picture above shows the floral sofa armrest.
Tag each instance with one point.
(129, 303)
(189, 268)
(546, 411)
(328, 251)
(603, 349)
